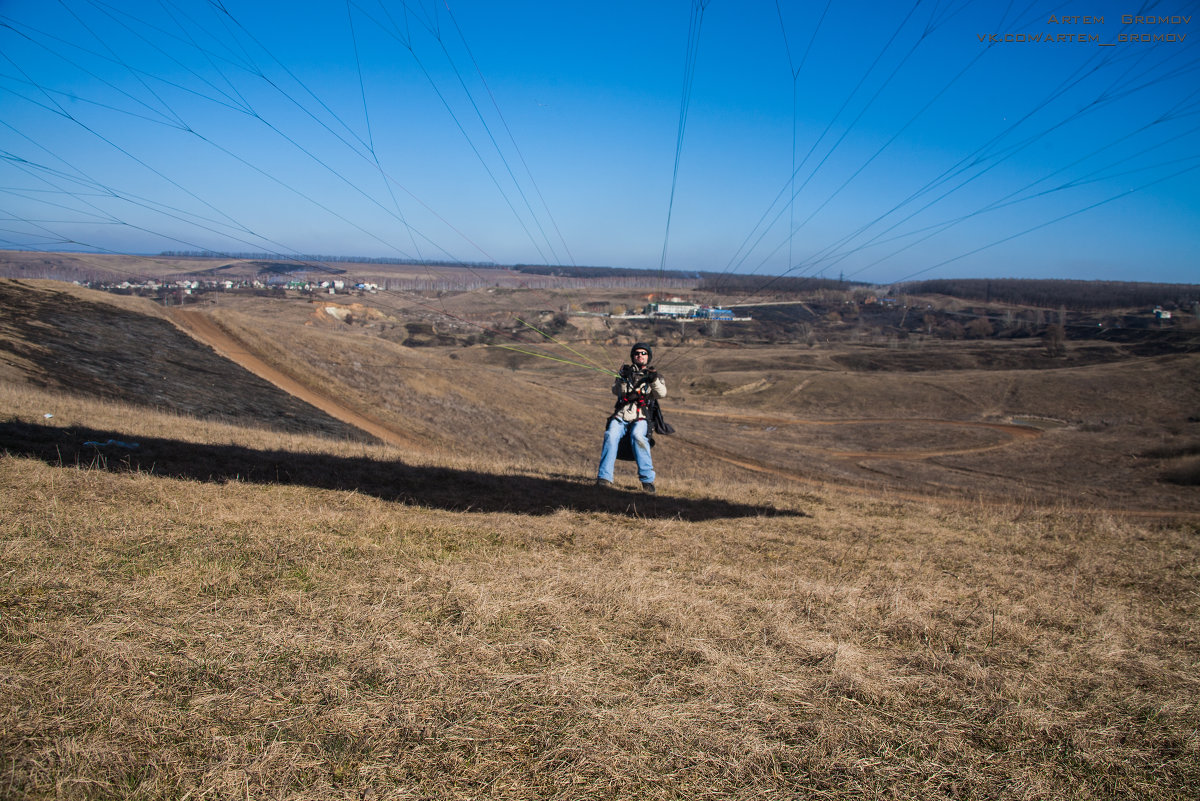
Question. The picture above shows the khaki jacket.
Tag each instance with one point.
(629, 412)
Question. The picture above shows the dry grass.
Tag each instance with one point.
(178, 637)
(780, 410)
(430, 394)
(235, 610)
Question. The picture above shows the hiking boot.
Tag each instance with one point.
(603, 482)
(648, 486)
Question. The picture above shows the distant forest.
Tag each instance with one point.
(756, 284)
(707, 281)
(1075, 295)
(601, 272)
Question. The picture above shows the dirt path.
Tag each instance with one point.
(201, 327)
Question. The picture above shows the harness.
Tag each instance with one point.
(637, 396)
(646, 404)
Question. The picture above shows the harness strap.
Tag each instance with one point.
(637, 398)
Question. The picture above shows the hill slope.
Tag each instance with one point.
(240, 611)
(84, 343)
(295, 637)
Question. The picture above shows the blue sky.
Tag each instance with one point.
(876, 141)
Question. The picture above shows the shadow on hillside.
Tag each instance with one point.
(442, 488)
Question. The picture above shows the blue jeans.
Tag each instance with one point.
(641, 449)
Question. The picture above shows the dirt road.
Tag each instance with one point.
(200, 326)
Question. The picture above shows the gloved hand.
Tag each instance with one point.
(650, 375)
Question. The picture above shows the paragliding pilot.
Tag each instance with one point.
(629, 434)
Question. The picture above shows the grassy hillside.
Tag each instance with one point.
(232, 608)
(87, 343)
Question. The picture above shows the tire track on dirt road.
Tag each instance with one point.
(202, 328)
